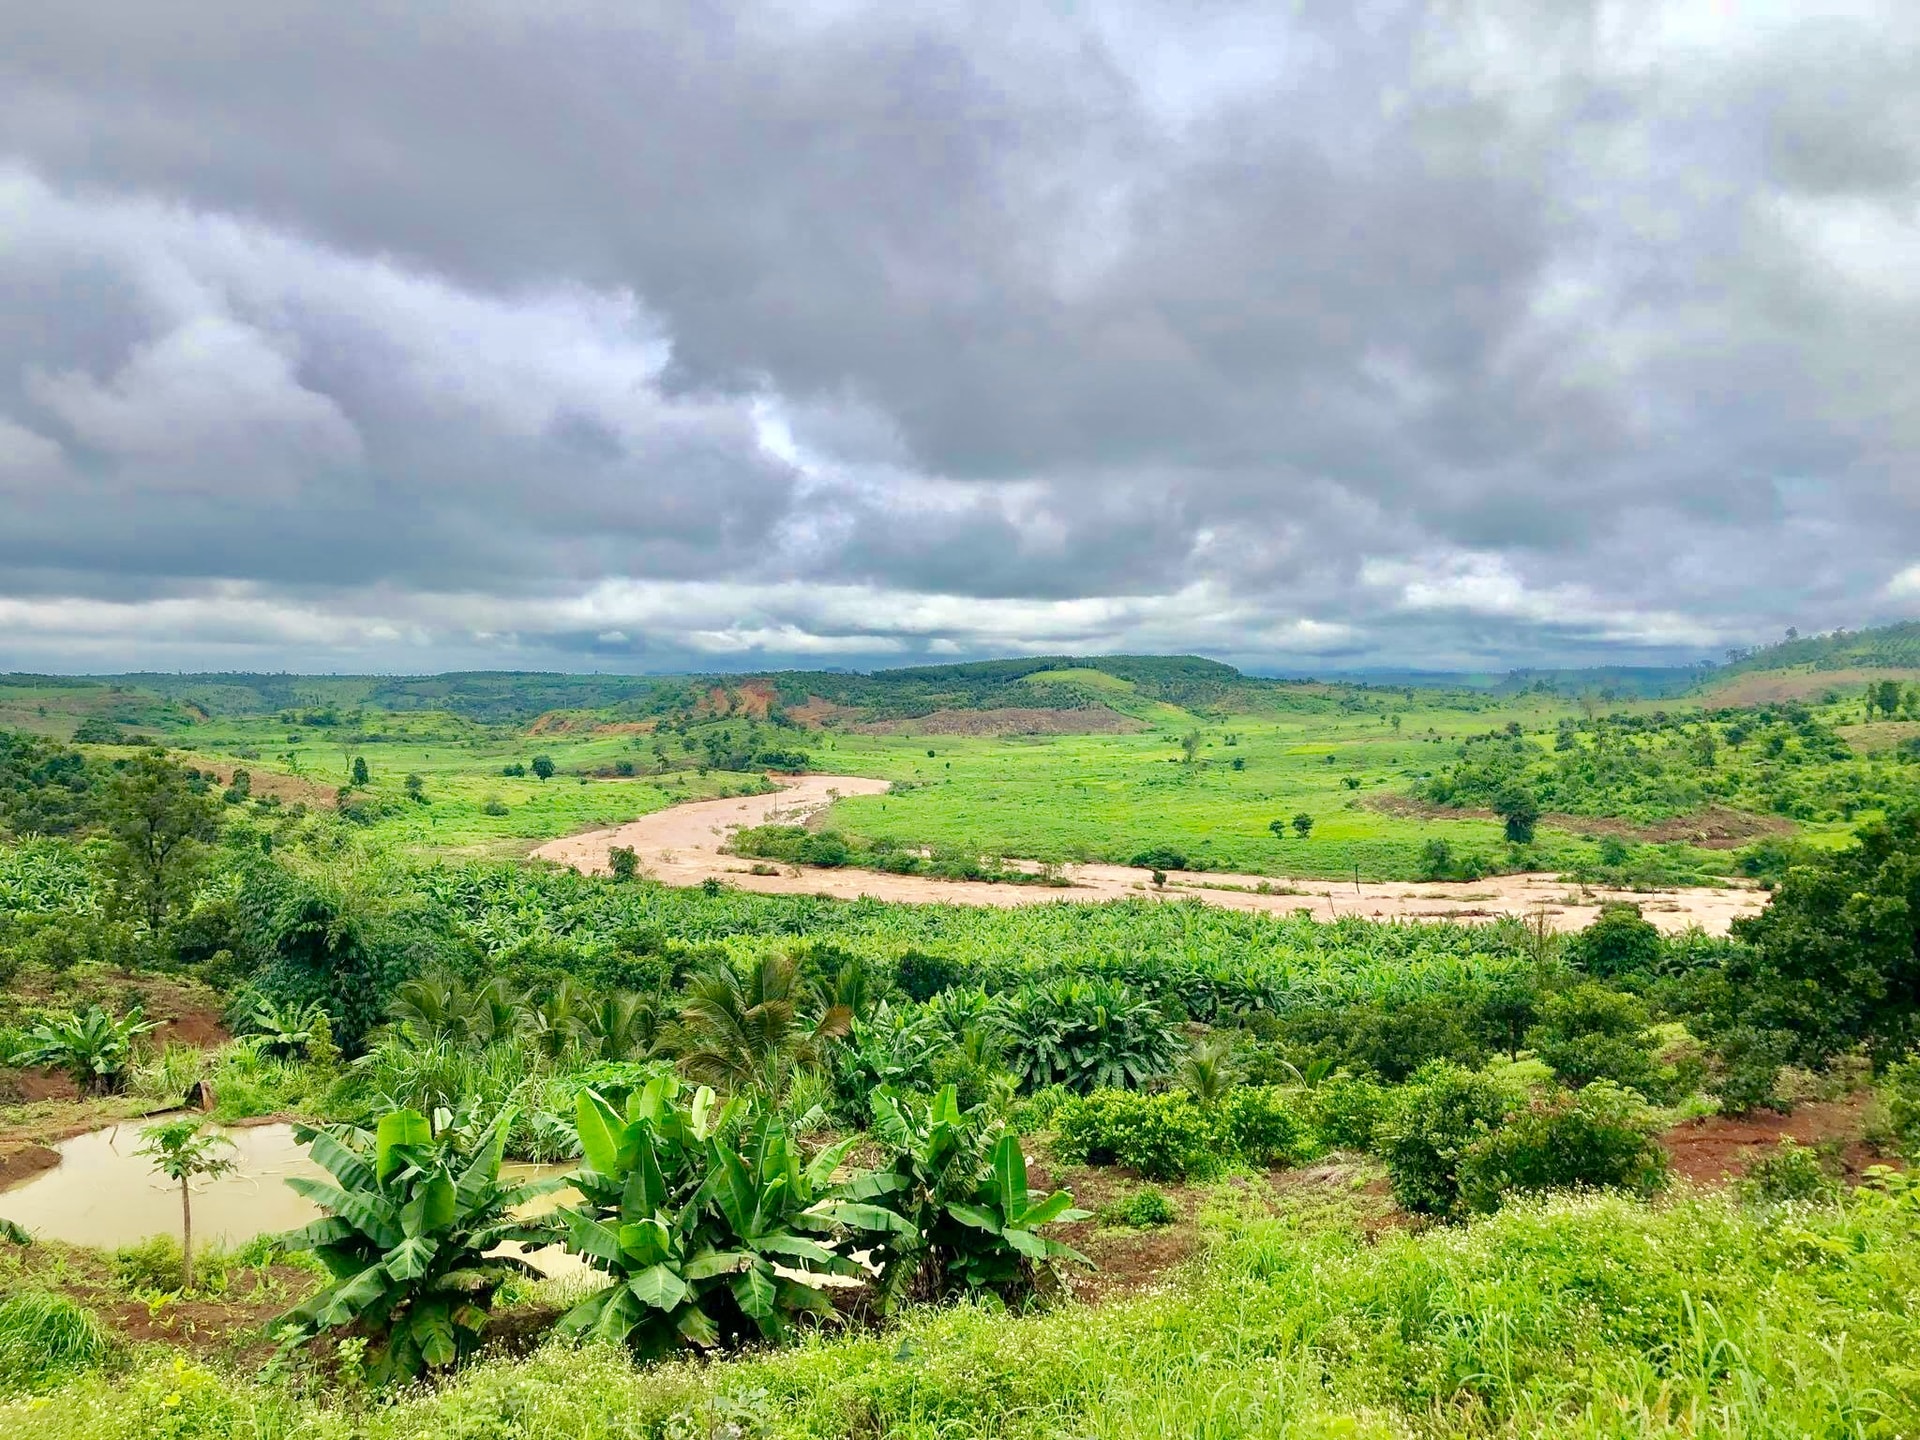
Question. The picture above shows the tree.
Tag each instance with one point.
(181, 1152)
(1190, 745)
(749, 1035)
(360, 775)
(542, 767)
(1303, 824)
(1887, 693)
(416, 789)
(1514, 804)
(1834, 960)
(622, 863)
(1279, 829)
(158, 828)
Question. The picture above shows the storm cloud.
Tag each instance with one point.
(1308, 336)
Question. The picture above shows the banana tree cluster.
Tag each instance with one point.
(410, 1226)
(959, 1182)
(711, 1234)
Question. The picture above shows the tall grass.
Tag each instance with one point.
(45, 1340)
(1590, 1317)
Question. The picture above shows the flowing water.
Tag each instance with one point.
(103, 1194)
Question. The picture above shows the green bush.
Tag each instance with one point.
(1591, 1032)
(1789, 1172)
(1164, 1137)
(1601, 1138)
(1143, 1209)
(1899, 1097)
(152, 1265)
(1265, 1126)
(1346, 1110)
(1747, 1067)
(1441, 1112)
(1618, 942)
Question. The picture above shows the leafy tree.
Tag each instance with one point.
(1835, 959)
(1591, 1032)
(1303, 825)
(95, 1048)
(1279, 829)
(1519, 810)
(1190, 746)
(409, 1222)
(1601, 1137)
(542, 767)
(158, 827)
(416, 789)
(747, 1036)
(183, 1153)
(622, 863)
(360, 775)
(1619, 941)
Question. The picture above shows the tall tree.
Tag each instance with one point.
(159, 827)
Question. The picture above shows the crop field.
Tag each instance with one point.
(593, 1155)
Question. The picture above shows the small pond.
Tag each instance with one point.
(104, 1195)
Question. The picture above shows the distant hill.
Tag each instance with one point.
(1887, 647)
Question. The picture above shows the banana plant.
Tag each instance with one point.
(960, 1181)
(706, 1243)
(95, 1048)
(410, 1222)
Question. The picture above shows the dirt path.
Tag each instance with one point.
(682, 846)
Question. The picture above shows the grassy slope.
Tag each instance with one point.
(1595, 1317)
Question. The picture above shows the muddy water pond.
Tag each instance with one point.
(103, 1194)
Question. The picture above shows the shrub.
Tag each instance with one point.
(1601, 1137)
(1748, 1067)
(1164, 1137)
(46, 1340)
(1433, 1121)
(1593, 1033)
(1160, 857)
(1618, 942)
(1142, 1209)
(1346, 1110)
(1898, 1095)
(1084, 1034)
(1264, 1126)
(1788, 1172)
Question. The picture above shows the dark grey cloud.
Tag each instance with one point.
(1470, 330)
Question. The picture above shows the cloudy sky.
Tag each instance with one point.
(587, 334)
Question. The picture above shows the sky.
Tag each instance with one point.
(594, 335)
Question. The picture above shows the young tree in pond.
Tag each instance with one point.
(182, 1153)
(159, 828)
(542, 767)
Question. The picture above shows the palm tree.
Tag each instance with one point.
(560, 1019)
(749, 1034)
(622, 1026)
(183, 1154)
(439, 1006)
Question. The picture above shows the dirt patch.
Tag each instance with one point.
(26, 1086)
(818, 713)
(576, 722)
(1010, 720)
(1765, 687)
(1714, 827)
(1879, 737)
(1125, 1260)
(25, 1163)
(1719, 1148)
